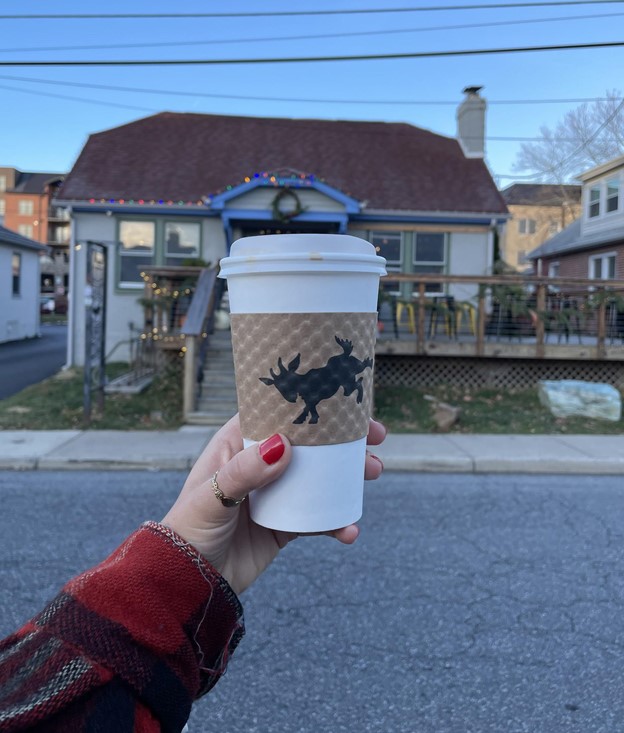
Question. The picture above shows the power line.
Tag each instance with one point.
(292, 13)
(78, 99)
(316, 59)
(490, 138)
(257, 98)
(273, 39)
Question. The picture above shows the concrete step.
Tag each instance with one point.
(216, 406)
(213, 418)
(218, 379)
(217, 403)
(224, 389)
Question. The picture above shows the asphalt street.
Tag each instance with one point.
(470, 604)
(27, 362)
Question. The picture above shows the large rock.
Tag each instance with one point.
(567, 397)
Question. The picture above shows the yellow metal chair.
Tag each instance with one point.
(401, 306)
(443, 313)
(467, 311)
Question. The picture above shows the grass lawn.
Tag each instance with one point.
(57, 404)
(482, 411)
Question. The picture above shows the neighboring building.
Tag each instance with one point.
(538, 212)
(26, 208)
(175, 186)
(19, 291)
(592, 246)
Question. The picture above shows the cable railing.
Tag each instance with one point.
(501, 315)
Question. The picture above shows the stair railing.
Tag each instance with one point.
(197, 328)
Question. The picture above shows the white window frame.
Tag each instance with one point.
(593, 201)
(527, 226)
(609, 197)
(604, 258)
(25, 207)
(553, 269)
(26, 230)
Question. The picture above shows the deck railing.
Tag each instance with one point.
(501, 316)
(179, 307)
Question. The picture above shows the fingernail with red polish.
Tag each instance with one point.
(272, 449)
(377, 458)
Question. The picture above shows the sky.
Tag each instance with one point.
(49, 111)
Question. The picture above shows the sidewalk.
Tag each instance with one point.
(178, 450)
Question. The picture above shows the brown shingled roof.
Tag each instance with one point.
(541, 194)
(188, 156)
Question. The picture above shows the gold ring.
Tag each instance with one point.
(225, 500)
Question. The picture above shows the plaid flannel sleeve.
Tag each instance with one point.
(125, 646)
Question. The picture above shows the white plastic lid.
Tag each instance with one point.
(301, 253)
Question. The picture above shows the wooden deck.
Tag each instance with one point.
(507, 317)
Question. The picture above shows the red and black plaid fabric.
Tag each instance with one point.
(126, 646)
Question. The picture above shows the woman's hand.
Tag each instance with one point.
(226, 536)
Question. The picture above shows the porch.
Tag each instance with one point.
(429, 327)
(501, 317)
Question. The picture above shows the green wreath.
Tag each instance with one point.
(286, 216)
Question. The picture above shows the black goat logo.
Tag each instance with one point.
(321, 383)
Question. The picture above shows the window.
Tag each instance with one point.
(2, 207)
(430, 256)
(613, 194)
(3, 183)
(553, 269)
(594, 201)
(181, 241)
(25, 207)
(526, 226)
(136, 250)
(602, 267)
(390, 246)
(16, 270)
(26, 230)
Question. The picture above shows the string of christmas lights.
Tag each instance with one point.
(265, 178)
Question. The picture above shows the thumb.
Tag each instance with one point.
(253, 468)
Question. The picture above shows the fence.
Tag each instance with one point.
(506, 316)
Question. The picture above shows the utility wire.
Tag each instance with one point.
(490, 138)
(256, 98)
(273, 39)
(316, 59)
(79, 99)
(291, 13)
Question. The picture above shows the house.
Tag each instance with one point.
(19, 290)
(538, 211)
(593, 245)
(26, 208)
(173, 187)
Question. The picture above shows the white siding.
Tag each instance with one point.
(19, 315)
(123, 307)
(468, 255)
(605, 223)
(261, 199)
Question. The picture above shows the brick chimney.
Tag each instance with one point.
(471, 123)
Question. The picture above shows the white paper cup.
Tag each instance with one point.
(303, 309)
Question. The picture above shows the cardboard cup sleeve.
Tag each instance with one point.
(306, 375)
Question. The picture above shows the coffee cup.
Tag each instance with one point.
(303, 311)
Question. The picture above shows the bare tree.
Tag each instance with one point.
(589, 135)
